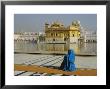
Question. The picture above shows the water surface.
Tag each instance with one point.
(89, 48)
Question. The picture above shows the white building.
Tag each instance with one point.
(90, 36)
(26, 36)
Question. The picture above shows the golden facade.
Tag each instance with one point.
(58, 33)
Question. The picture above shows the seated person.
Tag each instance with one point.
(68, 62)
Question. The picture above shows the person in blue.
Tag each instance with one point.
(68, 62)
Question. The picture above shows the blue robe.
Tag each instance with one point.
(68, 62)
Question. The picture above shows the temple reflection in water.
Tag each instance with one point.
(35, 47)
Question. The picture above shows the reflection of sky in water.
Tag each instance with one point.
(78, 48)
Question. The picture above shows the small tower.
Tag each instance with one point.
(46, 26)
(74, 32)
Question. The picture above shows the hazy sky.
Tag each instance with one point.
(36, 22)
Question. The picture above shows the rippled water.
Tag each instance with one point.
(36, 47)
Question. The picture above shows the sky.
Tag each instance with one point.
(36, 22)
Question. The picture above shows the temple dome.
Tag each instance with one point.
(57, 24)
(76, 23)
